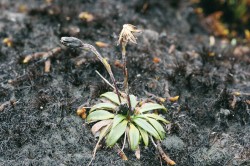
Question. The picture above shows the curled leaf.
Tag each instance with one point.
(105, 131)
(80, 111)
(138, 153)
(96, 127)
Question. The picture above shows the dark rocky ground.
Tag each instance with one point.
(210, 123)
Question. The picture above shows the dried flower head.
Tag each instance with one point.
(127, 34)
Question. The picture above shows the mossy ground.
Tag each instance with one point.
(210, 125)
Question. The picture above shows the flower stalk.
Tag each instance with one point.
(73, 42)
(126, 35)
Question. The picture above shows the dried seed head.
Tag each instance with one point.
(71, 42)
(127, 34)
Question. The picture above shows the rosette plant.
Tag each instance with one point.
(120, 114)
(115, 120)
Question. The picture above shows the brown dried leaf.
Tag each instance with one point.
(156, 60)
(123, 156)
(214, 24)
(84, 116)
(80, 111)
(173, 99)
(99, 125)
(22, 8)
(102, 44)
(241, 50)
(171, 49)
(138, 153)
(247, 34)
(27, 58)
(118, 64)
(236, 93)
(8, 42)
(86, 16)
(47, 66)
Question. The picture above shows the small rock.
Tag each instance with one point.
(173, 143)
(224, 112)
(149, 35)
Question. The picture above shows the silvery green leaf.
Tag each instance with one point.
(112, 97)
(116, 133)
(144, 136)
(150, 107)
(147, 127)
(158, 127)
(99, 115)
(134, 136)
(156, 117)
(103, 106)
(133, 100)
(117, 119)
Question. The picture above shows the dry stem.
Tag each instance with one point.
(125, 72)
(162, 153)
(105, 63)
(45, 55)
(120, 152)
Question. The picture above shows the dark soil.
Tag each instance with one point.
(210, 123)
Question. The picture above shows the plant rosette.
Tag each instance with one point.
(113, 120)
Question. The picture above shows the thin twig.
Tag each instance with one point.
(7, 103)
(124, 141)
(94, 151)
(45, 56)
(120, 152)
(164, 155)
(105, 63)
(101, 136)
(105, 80)
(153, 141)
